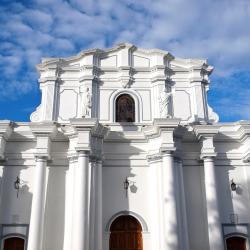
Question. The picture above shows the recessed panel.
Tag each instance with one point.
(110, 61)
(68, 104)
(182, 107)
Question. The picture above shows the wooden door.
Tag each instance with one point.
(14, 243)
(236, 243)
(126, 234)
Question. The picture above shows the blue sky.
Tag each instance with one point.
(218, 30)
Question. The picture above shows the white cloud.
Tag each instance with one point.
(217, 30)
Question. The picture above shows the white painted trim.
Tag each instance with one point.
(126, 212)
(136, 97)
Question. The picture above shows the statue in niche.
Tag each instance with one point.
(86, 102)
(165, 103)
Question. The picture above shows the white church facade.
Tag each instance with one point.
(124, 153)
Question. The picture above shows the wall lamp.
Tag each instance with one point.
(17, 185)
(126, 183)
(233, 185)
(126, 186)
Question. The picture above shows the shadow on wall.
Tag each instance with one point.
(55, 208)
(232, 204)
(120, 185)
(17, 210)
(15, 205)
(197, 206)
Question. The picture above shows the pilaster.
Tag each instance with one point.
(49, 84)
(85, 142)
(205, 135)
(162, 142)
(43, 133)
(198, 77)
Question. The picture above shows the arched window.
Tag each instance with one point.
(126, 234)
(236, 243)
(13, 243)
(125, 109)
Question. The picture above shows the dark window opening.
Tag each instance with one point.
(14, 243)
(236, 243)
(125, 109)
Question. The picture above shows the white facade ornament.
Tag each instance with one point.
(165, 104)
(86, 102)
(36, 115)
(126, 83)
(212, 116)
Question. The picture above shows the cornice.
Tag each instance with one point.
(206, 130)
(6, 128)
(44, 129)
(160, 124)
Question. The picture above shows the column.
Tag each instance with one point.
(213, 216)
(93, 185)
(183, 212)
(80, 228)
(38, 206)
(69, 184)
(170, 219)
(98, 207)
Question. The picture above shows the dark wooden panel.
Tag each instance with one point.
(236, 243)
(14, 243)
(126, 234)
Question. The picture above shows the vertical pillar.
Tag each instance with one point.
(213, 216)
(98, 207)
(93, 221)
(38, 206)
(80, 229)
(69, 203)
(169, 203)
(183, 211)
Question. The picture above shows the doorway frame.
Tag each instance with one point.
(145, 232)
(236, 233)
(14, 234)
(133, 214)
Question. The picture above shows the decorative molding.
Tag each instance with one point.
(126, 212)
(154, 157)
(6, 129)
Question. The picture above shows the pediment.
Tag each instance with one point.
(124, 54)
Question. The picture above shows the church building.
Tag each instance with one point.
(124, 153)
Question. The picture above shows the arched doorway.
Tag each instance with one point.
(125, 234)
(14, 243)
(125, 109)
(236, 243)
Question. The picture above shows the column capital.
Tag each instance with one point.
(178, 159)
(208, 158)
(41, 158)
(95, 158)
(154, 157)
(166, 152)
(83, 153)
